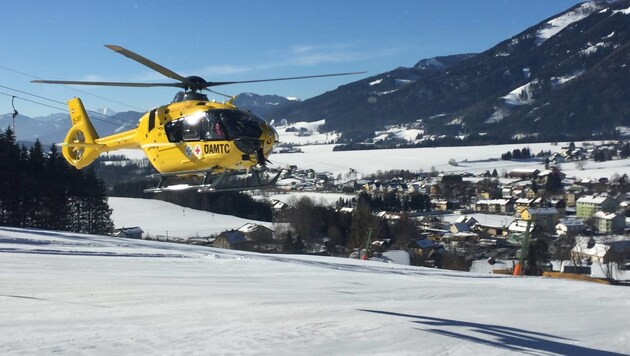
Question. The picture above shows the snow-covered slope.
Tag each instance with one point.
(159, 218)
(66, 293)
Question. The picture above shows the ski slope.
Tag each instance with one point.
(65, 293)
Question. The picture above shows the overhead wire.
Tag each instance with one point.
(62, 103)
(73, 88)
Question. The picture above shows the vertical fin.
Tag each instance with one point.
(79, 147)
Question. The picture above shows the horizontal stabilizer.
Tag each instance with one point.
(79, 144)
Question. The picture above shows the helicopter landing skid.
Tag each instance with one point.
(227, 181)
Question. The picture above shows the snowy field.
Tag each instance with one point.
(64, 293)
(159, 218)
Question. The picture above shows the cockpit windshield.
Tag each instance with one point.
(215, 125)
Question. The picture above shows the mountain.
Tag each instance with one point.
(262, 104)
(53, 128)
(564, 77)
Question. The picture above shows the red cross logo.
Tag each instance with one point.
(197, 150)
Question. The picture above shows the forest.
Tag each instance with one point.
(39, 189)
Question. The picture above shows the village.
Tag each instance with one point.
(565, 224)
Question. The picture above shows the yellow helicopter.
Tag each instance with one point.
(218, 145)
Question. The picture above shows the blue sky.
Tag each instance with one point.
(237, 40)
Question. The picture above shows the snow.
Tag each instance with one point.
(399, 133)
(483, 219)
(323, 199)
(557, 81)
(159, 218)
(592, 48)
(475, 159)
(307, 133)
(378, 81)
(624, 11)
(555, 25)
(521, 95)
(498, 115)
(83, 294)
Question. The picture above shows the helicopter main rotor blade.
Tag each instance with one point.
(156, 67)
(114, 84)
(214, 84)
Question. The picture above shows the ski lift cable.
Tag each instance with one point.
(59, 102)
(65, 110)
(73, 88)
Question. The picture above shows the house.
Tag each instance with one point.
(255, 232)
(129, 232)
(233, 240)
(495, 206)
(560, 205)
(520, 226)
(278, 205)
(442, 205)
(597, 250)
(522, 204)
(259, 238)
(545, 218)
(609, 223)
(587, 205)
(424, 247)
(570, 226)
(529, 193)
(429, 222)
(459, 227)
(468, 220)
(523, 173)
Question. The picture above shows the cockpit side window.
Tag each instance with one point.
(215, 129)
(191, 129)
(174, 130)
(238, 123)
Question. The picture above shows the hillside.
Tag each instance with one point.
(69, 293)
(564, 77)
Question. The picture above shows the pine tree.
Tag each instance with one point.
(95, 209)
(55, 207)
(10, 179)
(35, 181)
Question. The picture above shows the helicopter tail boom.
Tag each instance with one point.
(82, 144)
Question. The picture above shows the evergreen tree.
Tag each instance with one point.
(42, 191)
(95, 211)
(10, 179)
(35, 179)
(553, 184)
(54, 205)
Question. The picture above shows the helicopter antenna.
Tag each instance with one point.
(219, 93)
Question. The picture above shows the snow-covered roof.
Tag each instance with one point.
(604, 215)
(249, 227)
(590, 199)
(520, 226)
(494, 201)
